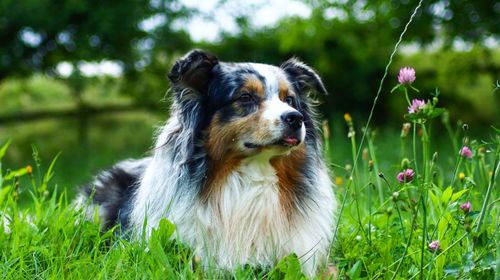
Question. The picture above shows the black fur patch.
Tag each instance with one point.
(113, 189)
(304, 78)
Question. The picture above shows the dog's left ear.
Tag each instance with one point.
(193, 71)
(303, 77)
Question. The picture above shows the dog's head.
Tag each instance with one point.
(245, 109)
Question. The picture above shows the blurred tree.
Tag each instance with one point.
(470, 21)
(37, 35)
(349, 42)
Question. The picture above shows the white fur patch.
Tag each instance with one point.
(274, 107)
(245, 224)
(272, 75)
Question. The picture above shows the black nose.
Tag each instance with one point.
(293, 119)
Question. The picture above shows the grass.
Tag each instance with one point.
(387, 226)
(416, 228)
(384, 230)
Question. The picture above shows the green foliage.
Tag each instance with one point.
(350, 51)
(50, 240)
(348, 42)
(108, 139)
(386, 226)
(288, 268)
(35, 92)
(82, 30)
(470, 21)
(46, 238)
(466, 78)
(392, 238)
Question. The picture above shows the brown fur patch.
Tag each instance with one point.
(219, 140)
(283, 90)
(217, 173)
(225, 157)
(252, 84)
(289, 177)
(223, 152)
(220, 148)
(222, 139)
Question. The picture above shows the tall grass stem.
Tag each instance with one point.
(490, 188)
(375, 100)
(408, 243)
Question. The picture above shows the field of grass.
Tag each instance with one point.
(420, 227)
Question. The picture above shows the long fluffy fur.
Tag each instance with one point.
(244, 222)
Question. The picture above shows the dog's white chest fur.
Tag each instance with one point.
(246, 224)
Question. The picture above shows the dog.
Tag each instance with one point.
(238, 167)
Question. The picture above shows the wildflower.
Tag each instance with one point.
(434, 246)
(395, 196)
(416, 106)
(29, 169)
(461, 176)
(466, 152)
(435, 100)
(420, 132)
(405, 130)
(365, 155)
(406, 75)
(358, 237)
(347, 118)
(348, 168)
(406, 176)
(466, 207)
(351, 133)
(339, 181)
(481, 151)
(326, 130)
(405, 163)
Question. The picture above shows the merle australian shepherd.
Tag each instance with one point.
(238, 167)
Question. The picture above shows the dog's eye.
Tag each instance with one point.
(246, 98)
(290, 100)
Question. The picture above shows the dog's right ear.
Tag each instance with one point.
(193, 71)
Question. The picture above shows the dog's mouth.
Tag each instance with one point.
(286, 141)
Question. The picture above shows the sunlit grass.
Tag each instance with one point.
(420, 218)
(380, 233)
(416, 203)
